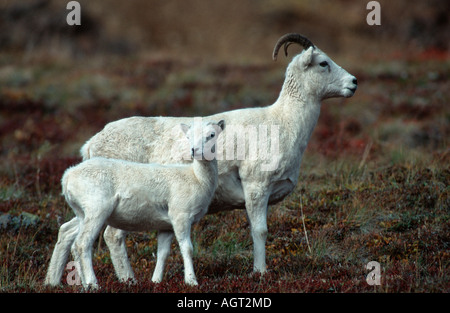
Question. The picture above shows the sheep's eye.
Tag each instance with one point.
(323, 64)
(212, 135)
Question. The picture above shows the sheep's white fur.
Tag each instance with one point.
(242, 183)
(137, 197)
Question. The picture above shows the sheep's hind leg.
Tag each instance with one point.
(66, 236)
(164, 241)
(115, 240)
(82, 250)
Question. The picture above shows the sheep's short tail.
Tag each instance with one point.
(85, 151)
(64, 181)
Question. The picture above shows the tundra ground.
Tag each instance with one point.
(374, 183)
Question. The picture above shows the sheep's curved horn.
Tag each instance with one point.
(289, 39)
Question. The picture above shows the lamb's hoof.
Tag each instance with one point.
(91, 287)
(52, 283)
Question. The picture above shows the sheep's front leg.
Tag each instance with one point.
(256, 204)
(66, 236)
(187, 252)
(164, 241)
(115, 240)
(182, 229)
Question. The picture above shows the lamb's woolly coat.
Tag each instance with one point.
(137, 197)
(140, 195)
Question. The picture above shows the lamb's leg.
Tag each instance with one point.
(66, 236)
(256, 204)
(182, 229)
(115, 239)
(164, 241)
(82, 249)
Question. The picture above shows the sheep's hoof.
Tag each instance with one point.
(91, 287)
(191, 282)
(257, 273)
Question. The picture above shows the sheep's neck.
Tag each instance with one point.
(206, 171)
(296, 106)
(291, 89)
(298, 111)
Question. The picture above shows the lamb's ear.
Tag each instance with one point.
(306, 57)
(221, 124)
(184, 128)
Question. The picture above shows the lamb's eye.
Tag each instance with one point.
(323, 64)
(212, 135)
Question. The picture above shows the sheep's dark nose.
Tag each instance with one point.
(355, 81)
(195, 151)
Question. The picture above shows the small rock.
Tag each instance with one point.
(15, 222)
(5, 219)
(28, 219)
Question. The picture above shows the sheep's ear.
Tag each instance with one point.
(184, 128)
(307, 56)
(221, 124)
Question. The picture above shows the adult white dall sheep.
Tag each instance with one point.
(310, 77)
(138, 197)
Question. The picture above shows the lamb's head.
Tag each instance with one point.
(202, 137)
(312, 72)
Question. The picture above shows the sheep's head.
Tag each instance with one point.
(314, 72)
(202, 136)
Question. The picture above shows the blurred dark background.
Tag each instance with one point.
(227, 30)
(61, 84)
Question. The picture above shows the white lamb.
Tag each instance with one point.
(311, 77)
(137, 197)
